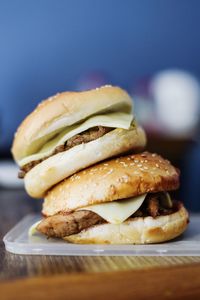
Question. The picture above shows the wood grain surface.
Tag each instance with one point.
(166, 283)
(16, 204)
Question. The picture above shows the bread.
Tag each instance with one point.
(115, 179)
(135, 231)
(60, 166)
(63, 110)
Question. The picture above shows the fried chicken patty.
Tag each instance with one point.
(83, 137)
(61, 225)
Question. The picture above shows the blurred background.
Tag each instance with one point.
(150, 48)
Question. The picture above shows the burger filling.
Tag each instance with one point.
(65, 224)
(71, 136)
(84, 137)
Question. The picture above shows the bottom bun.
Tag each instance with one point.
(139, 230)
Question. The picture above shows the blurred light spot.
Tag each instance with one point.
(177, 101)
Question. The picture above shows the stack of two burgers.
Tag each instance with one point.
(81, 151)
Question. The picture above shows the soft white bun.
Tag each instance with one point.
(63, 110)
(135, 231)
(119, 178)
(60, 166)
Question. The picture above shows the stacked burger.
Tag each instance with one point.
(82, 152)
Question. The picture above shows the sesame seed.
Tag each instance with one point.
(125, 178)
(106, 86)
(110, 171)
(136, 172)
(157, 165)
(123, 163)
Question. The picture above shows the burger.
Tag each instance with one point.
(125, 200)
(80, 151)
(71, 131)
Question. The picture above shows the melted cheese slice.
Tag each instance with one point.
(32, 230)
(113, 120)
(117, 212)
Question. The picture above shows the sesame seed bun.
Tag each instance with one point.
(115, 179)
(146, 230)
(62, 165)
(63, 110)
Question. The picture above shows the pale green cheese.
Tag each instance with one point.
(113, 120)
(116, 212)
(32, 230)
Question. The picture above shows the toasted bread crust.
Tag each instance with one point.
(61, 110)
(115, 179)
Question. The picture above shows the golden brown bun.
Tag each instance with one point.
(60, 166)
(63, 110)
(118, 178)
(135, 231)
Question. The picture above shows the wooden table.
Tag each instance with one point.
(163, 277)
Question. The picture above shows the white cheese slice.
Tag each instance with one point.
(32, 230)
(113, 120)
(116, 212)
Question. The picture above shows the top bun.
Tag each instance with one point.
(111, 180)
(62, 110)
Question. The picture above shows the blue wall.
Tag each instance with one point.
(45, 46)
